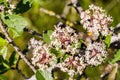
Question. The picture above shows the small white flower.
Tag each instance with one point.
(63, 38)
(96, 21)
(41, 55)
(95, 53)
(2, 7)
(12, 6)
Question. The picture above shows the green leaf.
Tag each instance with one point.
(1, 1)
(13, 33)
(53, 61)
(2, 42)
(27, 1)
(43, 75)
(23, 6)
(13, 59)
(107, 40)
(56, 53)
(46, 38)
(79, 43)
(4, 65)
(60, 75)
(16, 23)
(3, 77)
(39, 75)
(66, 56)
(3, 52)
(116, 57)
(93, 72)
(49, 32)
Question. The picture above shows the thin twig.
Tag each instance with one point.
(110, 71)
(66, 9)
(76, 5)
(51, 13)
(12, 43)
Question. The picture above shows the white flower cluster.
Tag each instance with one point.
(41, 55)
(72, 51)
(72, 65)
(66, 55)
(95, 21)
(65, 39)
(95, 53)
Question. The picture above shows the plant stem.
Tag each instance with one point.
(62, 17)
(76, 5)
(51, 13)
(12, 43)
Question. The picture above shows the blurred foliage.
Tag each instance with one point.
(40, 22)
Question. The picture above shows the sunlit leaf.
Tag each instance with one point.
(46, 38)
(4, 65)
(43, 75)
(107, 40)
(66, 56)
(116, 57)
(79, 43)
(1, 1)
(16, 23)
(49, 32)
(2, 42)
(56, 53)
(3, 52)
(13, 32)
(29, 1)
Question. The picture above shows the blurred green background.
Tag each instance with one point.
(40, 22)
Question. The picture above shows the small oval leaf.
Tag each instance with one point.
(43, 75)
